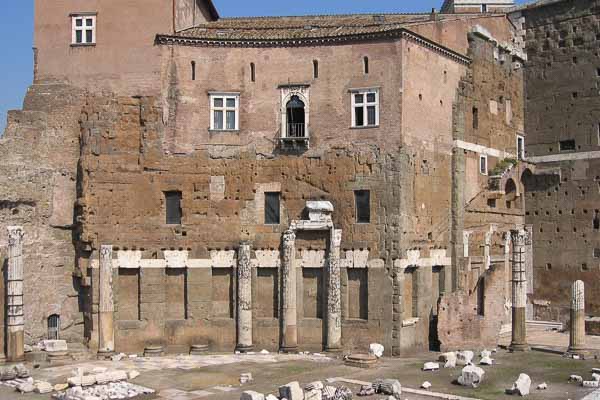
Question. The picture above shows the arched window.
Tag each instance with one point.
(315, 69)
(295, 118)
(510, 190)
(193, 70)
(366, 64)
(252, 72)
(54, 327)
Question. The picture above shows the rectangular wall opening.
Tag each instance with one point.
(567, 145)
(267, 293)
(358, 293)
(410, 294)
(438, 286)
(312, 283)
(176, 293)
(272, 208)
(173, 207)
(362, 203)
(129, 295)
(222, 292)
(481, 297)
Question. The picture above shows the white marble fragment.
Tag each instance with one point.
(471, 376)
(376, 349)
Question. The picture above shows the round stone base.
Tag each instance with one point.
(516, 347)
(103, 355)
(361, 360)
(289, 350)
(153, 351)
(244, 349)
(198, 349)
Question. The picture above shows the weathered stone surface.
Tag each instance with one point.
(471, 376)
(521, 386)
(291, 391)
(391, 387)
(250, 395)
(464, 357)
(431, 366)
(376, 349)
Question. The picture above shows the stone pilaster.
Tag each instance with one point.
(334, 302)
(15, 334)
(106, 307)
(577, 338)
(289, 326)
(244, 299)
(519, 291)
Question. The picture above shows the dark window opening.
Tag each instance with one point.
(296, 124)
(193, 70)
(252, 72)
(484, 8)
(596, 221)
(53, 327)
(315, 69)
(491, 203)
(475, 118)
(173, 206)
(272, 212)
(566, 145)
(596, 253)
(520, 148)
(362, 200)
(481, 297)
(366, 64)
(597, 71)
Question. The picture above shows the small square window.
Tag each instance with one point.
(83, 31)
(225, 112)
(520, 147)
(362, 202)
(272, 208)
(483, 166)
(566, 145)
(365, 106)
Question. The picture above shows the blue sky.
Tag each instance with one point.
(16, 32)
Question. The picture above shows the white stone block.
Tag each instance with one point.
(542, 386)
(376, 349)
(449, 359)
(486, 361)
(426, 385)
(313, 395)
(471, 376)
(431, 366)
(464, 357)
(521, 386)
(250, 395)
(54, 345)
(291, 391)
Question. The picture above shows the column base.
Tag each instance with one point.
(334, 349)
(244, 348)
(518, 347)
(289, 350)
(104, 355)
(581, 352)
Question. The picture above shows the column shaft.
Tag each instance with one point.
(334, 306)
(15, 341)
(289, 335)
(519, 291)
(106, 343)
(244, 299)
(577, 338)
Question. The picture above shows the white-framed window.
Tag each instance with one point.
(483, 164)
(83, 29)
(365, 108)
(224, 111)
(520, 147)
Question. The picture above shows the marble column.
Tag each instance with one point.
(15, 334)
(106, 343)
(244, 299)
(519, 291)
(577, 338)
(289, 326)
(334, 296)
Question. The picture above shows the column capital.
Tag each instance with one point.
(519, 237)
(15, 234)
(578, 296)
(289, 236)
(106, 250)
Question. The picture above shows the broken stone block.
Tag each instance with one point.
(542, 386)
(366, 390)
(26, 387)
(329, 392)
(313, 395)
(521, 386)
(271, 397)
(42, 387)
(343, 393)
(118, 357)
(596, 377)
(132, 374)
(246, 377)
(485, 353)
(264, 352)
(464, 357)
(426, 385)
(591, 384)
(449, 359)
(390, 387)
(54, 345)
(471, 376)
(576, 379)
(431, 366)
(376, 349)
(486, 361)
(59, 387)
(317, 385)
(291, 391)
(250, 395)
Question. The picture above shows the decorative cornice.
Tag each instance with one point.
(363, 37)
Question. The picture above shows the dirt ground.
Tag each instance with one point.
(217, 379)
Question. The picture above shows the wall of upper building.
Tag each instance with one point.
(476, 6)
(108, 44)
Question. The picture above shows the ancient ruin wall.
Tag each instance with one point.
(561, 83)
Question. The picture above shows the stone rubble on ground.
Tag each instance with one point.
(426, 385)
(390, 387)
(366, 390)
(576, 379)
(521, 386)
(111, 391)
(431, 366)
(596, 377)
(118, 357)
(376, 349)
(53, 345)
(250, 395)
(449, 359)
(542, 386)
(271, 397)
(12, 372)
(471, 376)
(342, 393)
(317, 385)
(329, 392)
(315, 394)
(464, 357)
(486, 361)
(264, 352)
(291, 391)
(246, 377)
(590, 384)
(42, 387)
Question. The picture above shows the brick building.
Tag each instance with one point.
(280, 182)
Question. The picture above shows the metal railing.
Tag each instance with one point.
(295, 130)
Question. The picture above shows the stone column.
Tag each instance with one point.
(334, 296)
(15, 334)
(244, 299)
(577, 339)
(106, 342)
(519, 291)
(289, 327)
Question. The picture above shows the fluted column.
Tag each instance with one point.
(577, 338)
(15, 340)
(334, 306)
(106, 343)
(244, 299)
(289, 327)
(519, 291)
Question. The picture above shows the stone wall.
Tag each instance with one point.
(561, 83)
